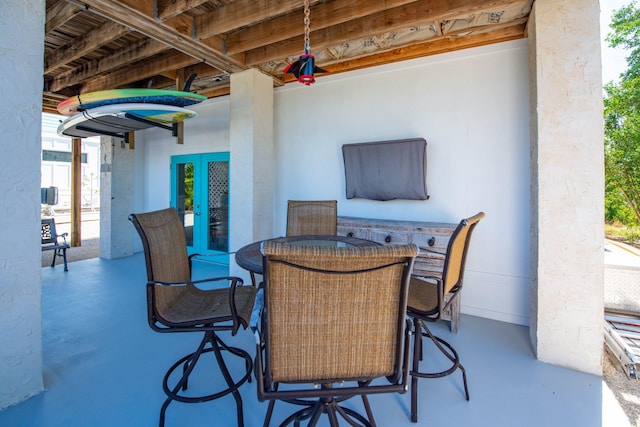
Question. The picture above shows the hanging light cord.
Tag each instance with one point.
(307, 22)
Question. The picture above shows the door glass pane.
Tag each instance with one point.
(184, 198)
(218, 184)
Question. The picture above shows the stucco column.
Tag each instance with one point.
(251, 161)
(21, 49)
(116, 198)
(567, 176)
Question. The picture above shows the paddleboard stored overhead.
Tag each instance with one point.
(120, 119)
(90, 100)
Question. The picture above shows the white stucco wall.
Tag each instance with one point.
(21, 62)
(251, 161)
(472, 107)
(206, 133)
(568, 184)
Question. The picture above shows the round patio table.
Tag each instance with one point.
(249, 257)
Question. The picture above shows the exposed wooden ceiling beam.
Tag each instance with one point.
(212, 93)
(416, 13)
(50, 101)
(138, 51)
(139, 71)
(104, 44)
(321, 16)
(59, 14)
(203, 71)
(139, 17)
(82, 45)
(166, 9)
(433, 47)
(243, 13)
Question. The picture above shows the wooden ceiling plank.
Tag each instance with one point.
(433, 47)
(50, 101)
(215, 40)
(203, 71)
(421, 12)
(143, 49)
(58, 15)
(212, 93)
(129, 15)
(165, 9)
(139, 71)
(243, 13)
(89, 42)
(323, 15)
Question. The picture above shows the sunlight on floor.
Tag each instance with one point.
(612, 413)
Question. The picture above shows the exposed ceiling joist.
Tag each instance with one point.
(144, 23)
(105, 44)
(59, 14)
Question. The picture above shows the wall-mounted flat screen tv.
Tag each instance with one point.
(386, 170)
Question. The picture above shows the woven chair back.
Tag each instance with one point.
(335, 313)
(312, 217)
(457, 252)
(165, 252)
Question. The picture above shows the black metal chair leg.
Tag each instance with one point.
(367, 408)
(267, 417)
(228, 379)
(417, 353)
(315, 415)
(331, 413)
(64, 258)
(446, 349)
(452, 355)
(350, 415)
(188, 364)
(163, 410)
(464, 380)
(248, 363)
(185, 367)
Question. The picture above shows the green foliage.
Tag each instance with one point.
(188, 186)
(622, 124)
(616, 209)
(625, 24)
(629, 234)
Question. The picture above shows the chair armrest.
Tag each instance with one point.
(231, 279)
(211, 255)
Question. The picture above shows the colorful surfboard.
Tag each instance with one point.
(118, 119)
(90, 100)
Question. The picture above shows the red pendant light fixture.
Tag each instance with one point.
(304, 68)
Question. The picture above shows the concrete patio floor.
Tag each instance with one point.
(103, 366)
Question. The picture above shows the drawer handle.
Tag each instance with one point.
(387, 239)
(350, 234)
(432, 241)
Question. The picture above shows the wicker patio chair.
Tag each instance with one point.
(321, 305)
(312, 217)
(427, 303)
(175, 303)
